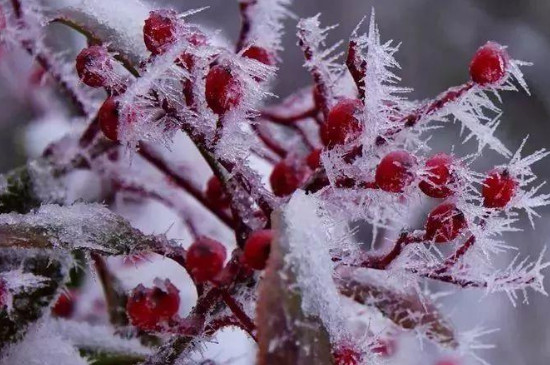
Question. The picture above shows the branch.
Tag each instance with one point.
(162, 165)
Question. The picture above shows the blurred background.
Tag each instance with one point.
(438, 39)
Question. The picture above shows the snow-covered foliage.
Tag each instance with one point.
(181, 120)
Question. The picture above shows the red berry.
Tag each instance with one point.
(4, 294)
(159, 30)
(215, 194)
(257, 248)
(498, 189)
(346, 356)
(223, 89)
(342, 125)
(395, 171)
(205, 259)
(108, 116)
(286, 177)
(436, 183)
(489, 64)
(259, 54)
(92, 65)
(64, 307)
(313, 160)
(445, 223)
(147, 307)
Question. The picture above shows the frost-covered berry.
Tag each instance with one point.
(257, 248)
(259, 54)
(92, 65)
(148, 307)
(445, 223)
(4, 294)
(108, 116)
(159, 30)
(346, 355)
(342, 125)
(64, 307)
(437, 182)
(395, 171)
(313, 160)
(489, 64)
(215, 194)
(286, 177)
(205, 259)
(498, 189)
(223, 89)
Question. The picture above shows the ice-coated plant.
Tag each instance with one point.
(267, 192)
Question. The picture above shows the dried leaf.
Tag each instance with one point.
(408, 311)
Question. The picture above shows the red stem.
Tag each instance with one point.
(156, 160)
(246, 23)
(288, 119)
(246, 323)
(141, 191)
(417, 116)
(269, 142)
(321, 88)
(357, 68)
(453, 259)
(381, 263)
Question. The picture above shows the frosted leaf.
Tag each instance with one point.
(18, 280)
(281, 317)
(42, 347)
(404, 307)
(310, 260)
(95, 337)
(86, 226)
(42, 275)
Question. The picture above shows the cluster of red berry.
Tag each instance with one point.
(223, 88)
(150, 308)
(204, 260)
